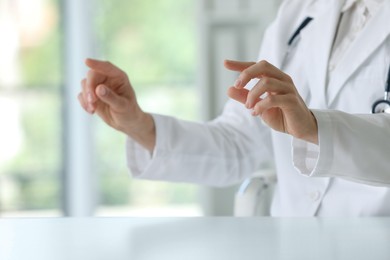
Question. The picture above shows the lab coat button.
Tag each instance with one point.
(315, 196)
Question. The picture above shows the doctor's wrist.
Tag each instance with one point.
(312, 134)
(307, 130)
(142, 130)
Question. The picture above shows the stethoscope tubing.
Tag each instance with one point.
(388, 82)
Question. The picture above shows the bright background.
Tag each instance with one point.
(160, 43)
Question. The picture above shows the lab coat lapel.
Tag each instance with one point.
(319, 38)
(372, 36)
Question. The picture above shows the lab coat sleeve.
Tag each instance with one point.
(226, 150)
(353, 147)
(218, 153)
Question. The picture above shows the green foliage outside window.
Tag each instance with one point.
(31, 179)
(155, 43)
(152, 40)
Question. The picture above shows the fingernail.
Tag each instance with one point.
(238, 83)
(247, 104)
(254, 113)
(89, 97)
(102, 91)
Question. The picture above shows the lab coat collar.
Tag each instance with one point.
(348, 4)
(372, 5)
(319, 37)
(372, 36)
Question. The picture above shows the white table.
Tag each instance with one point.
(194, 238)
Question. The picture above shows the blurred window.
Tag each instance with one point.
(30, 108)
(155, 43)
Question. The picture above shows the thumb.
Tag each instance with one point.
(109, 97)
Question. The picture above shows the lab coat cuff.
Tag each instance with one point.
(310, 159)
(140, 159)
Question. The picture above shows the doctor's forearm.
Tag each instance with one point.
(143, 131)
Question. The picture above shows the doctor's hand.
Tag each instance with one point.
(274, 98)
(107, 91)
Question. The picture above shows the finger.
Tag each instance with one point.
(266, 85)
(94, 78)
(105, 68)
(239, 95)
(87, 96)
(237, 65)
(109, 97)
(84, 88)
(271, 101)
(259, 70)
(83, 103)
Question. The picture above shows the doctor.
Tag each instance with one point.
(331, 56)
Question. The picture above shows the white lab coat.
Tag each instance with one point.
(348, 175)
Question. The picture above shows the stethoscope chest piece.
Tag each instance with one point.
(383, 105)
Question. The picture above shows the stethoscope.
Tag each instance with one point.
(379, 106)
(383, 105)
